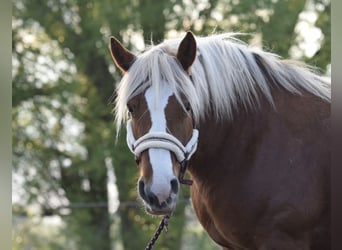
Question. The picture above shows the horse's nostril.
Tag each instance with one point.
(147, 195)
(174, 186)
(141, 188)
(153, 199)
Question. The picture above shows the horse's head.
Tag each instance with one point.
(160, 131)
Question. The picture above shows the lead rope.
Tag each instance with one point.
(165, 221)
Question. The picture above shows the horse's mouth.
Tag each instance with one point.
(165, 208)
(160, 211)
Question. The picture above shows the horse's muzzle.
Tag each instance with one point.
(159, 203)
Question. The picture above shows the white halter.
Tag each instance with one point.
(162, 140)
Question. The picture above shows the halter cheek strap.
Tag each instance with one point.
(162, 140)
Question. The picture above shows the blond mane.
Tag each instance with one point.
(226, 73)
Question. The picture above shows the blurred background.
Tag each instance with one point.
(74, 185)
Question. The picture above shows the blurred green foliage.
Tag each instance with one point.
(64, 142)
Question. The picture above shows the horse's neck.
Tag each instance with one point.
(227, 145)
(222, 144)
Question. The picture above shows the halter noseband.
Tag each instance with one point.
(162, 140)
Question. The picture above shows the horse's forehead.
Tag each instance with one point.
(158, 99)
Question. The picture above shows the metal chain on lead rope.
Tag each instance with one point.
(165, 220)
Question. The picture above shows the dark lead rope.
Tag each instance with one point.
(165, 221)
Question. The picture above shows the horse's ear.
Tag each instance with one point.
(187, 51)
(122, 57)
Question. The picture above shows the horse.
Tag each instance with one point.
(252, 128)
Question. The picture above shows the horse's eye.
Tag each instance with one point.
(130, 109)
(187, 107)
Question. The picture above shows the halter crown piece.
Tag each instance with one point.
(162, 140)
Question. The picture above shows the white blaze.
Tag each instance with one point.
(160, 159)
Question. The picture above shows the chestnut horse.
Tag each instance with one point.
(253, 128)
